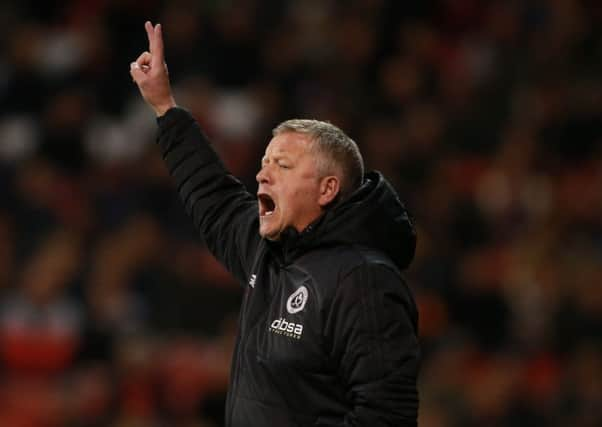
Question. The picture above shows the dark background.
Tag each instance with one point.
(485, 115)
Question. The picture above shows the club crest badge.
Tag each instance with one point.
(296, 302)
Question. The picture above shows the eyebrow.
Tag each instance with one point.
(277, 157)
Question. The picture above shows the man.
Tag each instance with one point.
(328, 329)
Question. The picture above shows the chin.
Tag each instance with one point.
(272, 238)
(270, 235)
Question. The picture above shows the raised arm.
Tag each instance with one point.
(222, 210)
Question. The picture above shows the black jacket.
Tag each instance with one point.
(328, 328)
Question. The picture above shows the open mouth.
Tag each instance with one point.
(266, 205)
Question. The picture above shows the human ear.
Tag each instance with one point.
(329, 188)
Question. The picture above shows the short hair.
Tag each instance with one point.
(338, 151)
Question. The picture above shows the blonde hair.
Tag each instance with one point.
(338, 154)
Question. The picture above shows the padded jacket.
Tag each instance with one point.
(327, 332)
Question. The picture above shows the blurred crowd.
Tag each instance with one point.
(485, 115)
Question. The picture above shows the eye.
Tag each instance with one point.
(283, 165)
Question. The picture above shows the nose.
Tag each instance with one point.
(263, 176)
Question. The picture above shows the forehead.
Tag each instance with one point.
(289, 143)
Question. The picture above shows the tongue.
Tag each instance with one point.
(269, 204)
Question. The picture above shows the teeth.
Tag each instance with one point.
(266, 205)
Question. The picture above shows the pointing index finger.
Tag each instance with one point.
(150, 33)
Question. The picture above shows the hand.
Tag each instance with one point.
(149, 72)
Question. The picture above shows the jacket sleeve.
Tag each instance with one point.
(222, 210)
(372, 328)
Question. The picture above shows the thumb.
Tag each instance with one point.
(136, 72)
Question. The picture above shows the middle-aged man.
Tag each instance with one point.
(328, 328)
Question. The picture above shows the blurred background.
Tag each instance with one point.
(485, 115)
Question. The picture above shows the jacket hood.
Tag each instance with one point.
(373, 216)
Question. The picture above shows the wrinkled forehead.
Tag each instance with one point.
(292, 143)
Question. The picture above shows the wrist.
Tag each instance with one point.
(160, 110)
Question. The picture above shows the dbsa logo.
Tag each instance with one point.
(289, 329)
